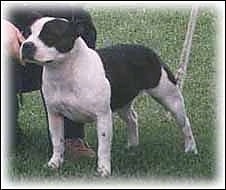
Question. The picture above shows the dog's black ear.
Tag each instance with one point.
(86, 30)
(77, 28)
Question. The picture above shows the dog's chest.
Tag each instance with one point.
(71, 108)
(77, 89)
(69, 98)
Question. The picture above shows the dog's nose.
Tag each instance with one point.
(28, 50)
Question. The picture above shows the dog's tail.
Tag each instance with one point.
(170, 75)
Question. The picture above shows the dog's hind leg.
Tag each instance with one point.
(167, 94)
(129, 115)
(56, 128)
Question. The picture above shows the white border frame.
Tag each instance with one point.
(152, 183)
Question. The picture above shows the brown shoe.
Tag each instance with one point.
(77, 148)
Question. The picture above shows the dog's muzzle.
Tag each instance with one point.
(28, 51)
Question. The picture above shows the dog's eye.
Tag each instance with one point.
(49, 39)
(49, 36)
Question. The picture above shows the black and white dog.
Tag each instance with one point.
(86, 85)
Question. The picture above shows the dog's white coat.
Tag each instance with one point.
(75, 86)
(81, 93)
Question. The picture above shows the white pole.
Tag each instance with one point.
(184, 58)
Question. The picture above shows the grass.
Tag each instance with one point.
(160, 153)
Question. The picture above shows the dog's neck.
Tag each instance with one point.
(71, 62)
(79, 46)
(79, 49)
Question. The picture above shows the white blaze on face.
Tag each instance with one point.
(38, 25)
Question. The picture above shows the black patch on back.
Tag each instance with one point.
(59, 34)
(129, 68)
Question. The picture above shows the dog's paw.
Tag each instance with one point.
(103, 171)
(190, 146)
(54, 163)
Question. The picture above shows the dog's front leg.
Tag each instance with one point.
(104, 132)
(56, 128)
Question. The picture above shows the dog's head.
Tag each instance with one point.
(50, 40)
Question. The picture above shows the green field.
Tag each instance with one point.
(160, 153)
